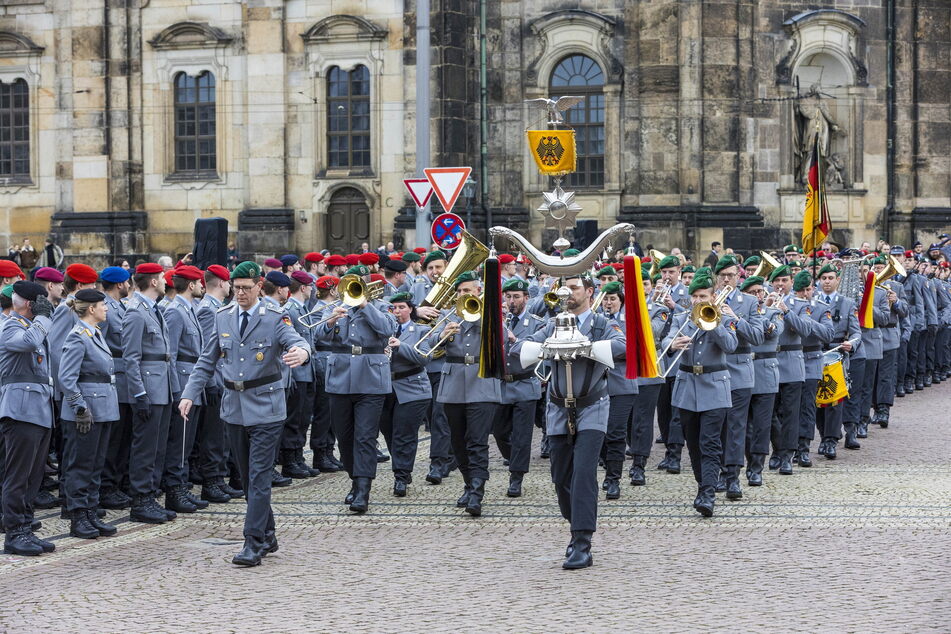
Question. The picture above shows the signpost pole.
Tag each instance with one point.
(422, 111)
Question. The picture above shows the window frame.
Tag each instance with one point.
(14, 177)
(198, 107)
(337, 76)
(587, 176)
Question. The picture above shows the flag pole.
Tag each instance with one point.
(820, 192)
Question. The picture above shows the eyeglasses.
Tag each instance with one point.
(243, 289)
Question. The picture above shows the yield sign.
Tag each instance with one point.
(420, 189)
(447, 182)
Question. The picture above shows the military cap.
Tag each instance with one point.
(246, 270)
(396, 266)
(289, 259)
(410, 256)
(278, 279)
(188, 272)
(219, 271)
(28, 290)
(934, 247)
(327, 281)
(879, 260)
(274, 263)
(90, 295)
(700, 282)
(613, 288)
(608, 270)
(352, 259)
(82, 273)
(515, 284)
(420, 250)
(314, 256)
(688, 269)
(432, 256)
(704, 270)
(828, 268)
(753, 280)
(753, 260)
(7, 291)
(302, 278)
(368, 259)
(570, 253)
(114, 274)
(897, 250)
(780, 271)
(790, 248)
(725, 262)
(168, 277)
(49, 274)
(802, 281)
(467, 276)
(645, 272)
(149, 268)
(795, 264)
(336, 260)
(402, 297)
(8, 268)
(506, 258)
(669, 262)
(359, 269)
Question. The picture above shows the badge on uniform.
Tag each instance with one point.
(259, 356)
(663, 316)
(828, 314)
(39, 359)
(808, 310)
(225, 334)
(618, 329)
(286, 320)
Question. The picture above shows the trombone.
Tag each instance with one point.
(705, 316)
(353, 291)
(468, 308)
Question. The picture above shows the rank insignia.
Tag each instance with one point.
(259, 356)
(225, 334)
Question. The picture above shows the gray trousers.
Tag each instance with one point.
(733, 437)
(929, 351)
(787, 409)
(400, 426)
(300, 409)
(853, 404)
(512, 428)
(83, 458)
(440, 447)
(469, 426)
(147, 452)
(868, 387)
(760, 424)
(807, 411)
(181, 439)
(356, 424)
(253, 448)
(702, 432)
(27, 446)
(574, 471)
(619, 420)
(671, 430)
(642, 423)
(911, 365)
(115, 473)
(212, 443)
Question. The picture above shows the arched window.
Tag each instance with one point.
(348, 119)
(580, 75)
(14, 129)
(195, 152)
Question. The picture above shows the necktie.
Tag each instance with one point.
(513, 321)
(244, 323)
(158, 314)
(399, 331)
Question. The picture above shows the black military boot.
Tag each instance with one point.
(861, 429)
(754, 472)
(704, 502)
(885, 412)
(804, 459)
(18, 542)
(146, 511)
(927, 380)
(733, 490)
(353, 491)
(919, 384)
(250, 555)
(665, 462)
(673, 463)
(289, 466)
(382, 455)
(361, 496)
(278, 480)
(399, 488)
(850, 437)
(47, 546)
(785, 463)
(774, 461)
(463, 500)
(191, 497)
(114, 499)
(270, 543)
(545, 448)
(229, 489)
(45, 500)
(324, 461)
(235, 487)
(515, 485)
(830, 448)
(211, 491)
(175, 500)
(613, 470)
(299, 455)
(638, 479)
(900, 389)
(80, 526)
(721, 481)
(580, 551)
(474, 505)
(105, 530)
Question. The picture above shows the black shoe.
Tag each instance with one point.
(721, 483)
(47, 546)
(919, 386)
(823, 447)
(382, 455)
(704, 504)
(361, 496)
(883, 419)
(270, 543)
(900, 391)
(830, 449)
(774, 461)
(399, 489)
(673, 464)
(733, 490)
(325, 462)
(545, 450)
(170, 514)
(234, 484)
(278, 480)
(754, 472)
(105, 530)
(474, 505)
(191, 497)
(613, 491)
(658, 441)
(804, 459)
(580, 551)
(143, 511)
(353, 491)
(861, 430)
(928, 381)
(663, 464)
(18, 542)
(435, 475)
(463, 500)
(299, 455)
(250, 555)
(850, 441)
(45, 500)
(515, 485)
(294, 470)
(785, 464)
(604, 485)
(228, 489)
(175, 500)
(80, 526)
(212, 492)
(115, 499)
(637, 476)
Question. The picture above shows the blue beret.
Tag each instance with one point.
(278, 279)
(114, 274)
(289, 260)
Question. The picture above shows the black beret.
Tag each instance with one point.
(90, 295)
(395, 265)
(28, 290)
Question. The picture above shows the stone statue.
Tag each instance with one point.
(835, 172)
(812, 118)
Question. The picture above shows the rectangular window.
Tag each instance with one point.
(348, 119)
(15, 130)
(195, 151)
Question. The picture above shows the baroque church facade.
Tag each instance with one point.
(121, 123)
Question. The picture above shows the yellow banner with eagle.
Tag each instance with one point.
(553, 151)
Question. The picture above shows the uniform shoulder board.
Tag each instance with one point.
(22, 322)
(226, 307)
(537, 318)
(275, 309)
(820, 303)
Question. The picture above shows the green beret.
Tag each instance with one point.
(655, 278)
(7, 291)
(608, 270)
(468, 276)
(246, 270)
(700, 282)
(802, 281)
(689, 269)
(753, 280)
(669, 262)
(790, 248)
(359, 269)
(515, 284)
(828, 268)
(753, 260)
(645, 272)
(570, 253)
(410, 256)
(704, 270)
(613, 288)
(432, 256)
(879, 260)
(780, 271)
(402, 297)
(796, 264)
(724, 263)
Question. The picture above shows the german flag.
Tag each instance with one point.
(816, 225)
(866, 318)
(641, 354)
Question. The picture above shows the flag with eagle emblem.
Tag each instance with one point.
(553, 151)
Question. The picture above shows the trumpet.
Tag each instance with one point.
(705, 316)
(468, 308)
(660, 293)
(353, 291)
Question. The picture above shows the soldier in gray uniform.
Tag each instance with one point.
(275, 291)
(251, 343)
(358, 380)
(702, 391)
(671, 432)
(914, 294)
(873, 347)
(576, 431)
(394, 271)
(926, 353)
(521, 389)
(321, 434)
(405, 407)
(90, 412)
(115, 473)
(145, 348)
(435, 265)
(26, 415)
(884, 383)
(812, 346)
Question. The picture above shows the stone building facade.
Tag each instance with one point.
(123, 121)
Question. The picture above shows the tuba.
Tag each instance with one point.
(767, 265)
(656, 256)
(470, 254)
(892, 268)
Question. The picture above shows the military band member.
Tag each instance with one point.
(470, 403)
(414, 269)
(671, 432)
(90, 413)
(394, 271)
(10, 273)
(812, 346)
(405, 407)
(914, 294)
(52, 280)
(251, 343)
(435, 266)
(322, 438)
(702, 390)
(751, 264)
(336, 265)
(884, 381)
(687, 274)
(26, 415)
(521, 389)
(276, 289)
(873, 348)
(358, 380)
(926, 350)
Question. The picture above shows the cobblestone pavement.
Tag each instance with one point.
(860, 544)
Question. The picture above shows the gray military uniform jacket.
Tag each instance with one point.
(749, 333)
(701, 392)
(765, 360)
(295, 309)
(872, 338)
(145, 348)
(931, 300)
(420, 289)
(618, 383)
(87, 376)
(205, 313)
(460, 382)
(815, 342)
(660, 320)
(357, 363)
(63, 321)
(241, 359)
(845, 326)
(26, 386)
(112, 334)
(527, 388)
(408, 367)
(798, 322)
(185, 341)
(680, 295)
(891, 332)
(914, 294)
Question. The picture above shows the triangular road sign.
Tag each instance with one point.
(447, 182)
(420, 189)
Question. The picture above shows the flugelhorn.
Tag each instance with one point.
(468, 308)
(353, 291)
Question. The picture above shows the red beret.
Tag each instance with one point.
(908, 254)
(506, 258)
(82, 273)
(220, 272)
(48, 274)
(336, 260)
(149, 268)
(327, 281)
(376, 277)
(313, 256)
(188, 272)
(352, 259)
(302, 277)
(369, 259)
(9, 268)
(274, 263)
(168, 277)
(419, 250)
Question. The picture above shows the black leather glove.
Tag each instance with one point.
(142, 407)
(41, 307)
(84, 420)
